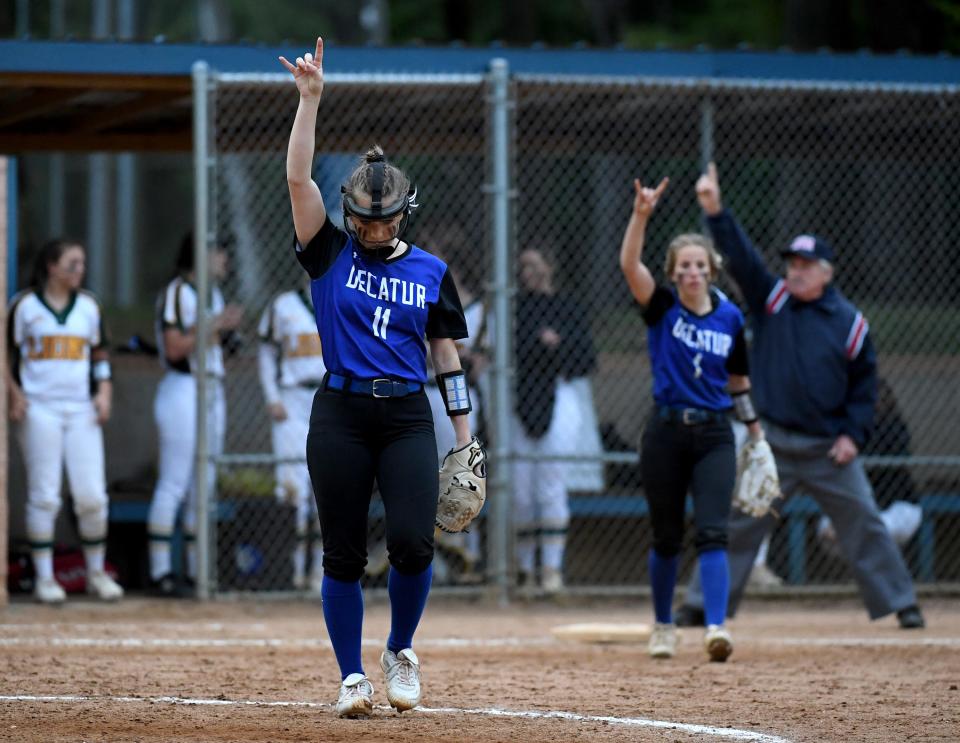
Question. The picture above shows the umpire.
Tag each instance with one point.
(815, 386)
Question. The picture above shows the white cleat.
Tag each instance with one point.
(356, 696)
(48, 591)
(663, 640)
(552, 581)
(762, 578)
(103, 587)
(402, 671)
(718, 643)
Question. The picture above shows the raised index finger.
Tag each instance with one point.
(318, 54)
(712, 172)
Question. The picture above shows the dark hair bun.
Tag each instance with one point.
(375, 155)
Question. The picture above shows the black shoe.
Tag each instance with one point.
(911, 618)
(689, 616)
(166, 586)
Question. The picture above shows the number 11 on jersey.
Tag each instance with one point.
(380, 319)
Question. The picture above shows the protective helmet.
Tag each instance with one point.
(376, 212)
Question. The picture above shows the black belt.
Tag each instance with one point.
(310, 384)
(690, 416)
(371, 387)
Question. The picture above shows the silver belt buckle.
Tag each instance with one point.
(689, 418)
(373, 388)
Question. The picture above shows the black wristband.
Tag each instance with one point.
(455, 392)
(743, 407)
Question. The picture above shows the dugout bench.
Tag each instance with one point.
(797, 513)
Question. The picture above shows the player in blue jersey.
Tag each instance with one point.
(376, 299)
(699, 361)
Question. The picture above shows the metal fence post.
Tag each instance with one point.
(706, 133)
(502, 376)
(201, 236)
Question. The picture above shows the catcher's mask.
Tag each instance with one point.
(376, 212)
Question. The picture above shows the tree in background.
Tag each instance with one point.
(921, 26)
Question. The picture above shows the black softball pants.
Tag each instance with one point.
(675, 459)
(354, 439)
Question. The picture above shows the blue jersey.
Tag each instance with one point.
(373, 315)
(693, 355)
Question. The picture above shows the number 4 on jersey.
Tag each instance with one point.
(380, 319)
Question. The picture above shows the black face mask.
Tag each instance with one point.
(377, 212)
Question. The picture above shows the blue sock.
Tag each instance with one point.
(715, 581)
(408, 597)
(663, 579)
(343, 613)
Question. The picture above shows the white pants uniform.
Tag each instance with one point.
(174, 410)
(579, 434)
(52, 434)
(293, 480)
(540, 509)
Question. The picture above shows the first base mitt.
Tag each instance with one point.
(758, 484)
(463, 486)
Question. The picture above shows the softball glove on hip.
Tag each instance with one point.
(463, 486)
(758, 484)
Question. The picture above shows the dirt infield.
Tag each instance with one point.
(147, 670)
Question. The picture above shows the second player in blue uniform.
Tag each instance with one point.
(699, 362)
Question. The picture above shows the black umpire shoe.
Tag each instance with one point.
(166, 586)
(689, 616)
(911, 618)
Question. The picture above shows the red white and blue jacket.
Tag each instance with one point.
(813, 365)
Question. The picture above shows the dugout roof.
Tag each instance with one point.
(124, 96)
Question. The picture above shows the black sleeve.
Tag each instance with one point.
(13, 349)
(661, 301)
(322, 250)
(445, 318)
(737, 362)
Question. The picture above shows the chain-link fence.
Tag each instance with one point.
(871, 170)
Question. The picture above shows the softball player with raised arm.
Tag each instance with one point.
(376, 298)
(58, 354)
(698, 357)
(175, 409)
(291, 370)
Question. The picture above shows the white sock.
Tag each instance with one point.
(553, 549)
(94, 555)
(43, 563)
(159, 558)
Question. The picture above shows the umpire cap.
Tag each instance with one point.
(811, 247)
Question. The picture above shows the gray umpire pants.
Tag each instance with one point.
(845, 496)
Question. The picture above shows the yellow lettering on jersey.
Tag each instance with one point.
(60, 347)
(303, 344)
